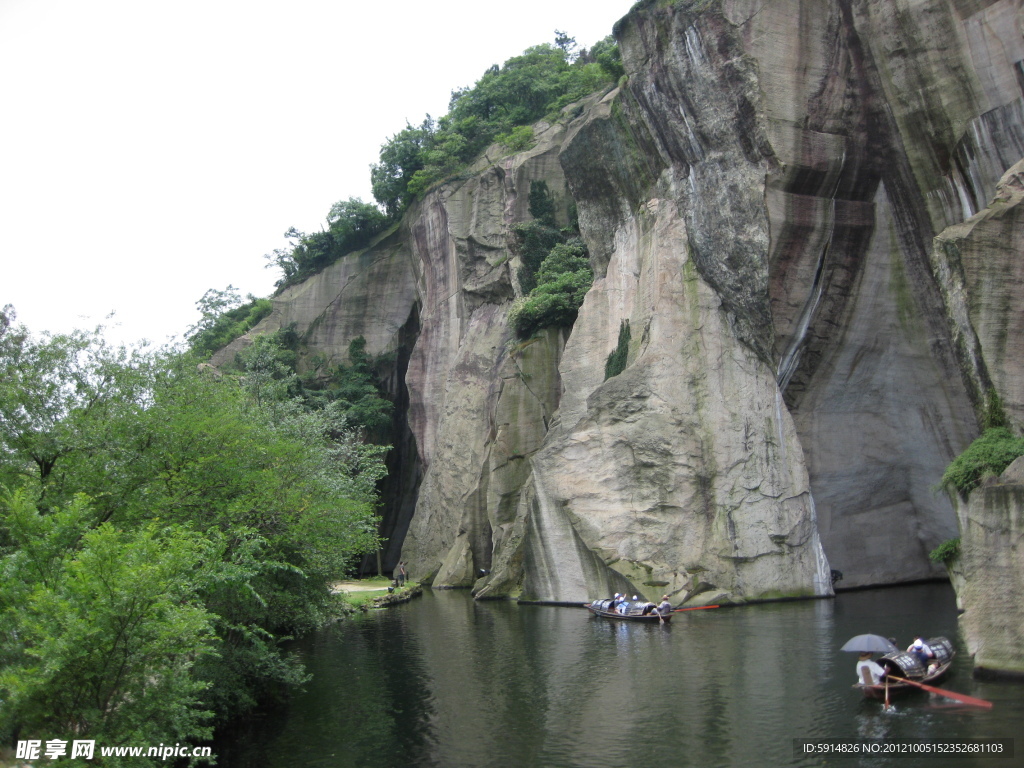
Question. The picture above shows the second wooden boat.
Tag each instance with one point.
(633, 611)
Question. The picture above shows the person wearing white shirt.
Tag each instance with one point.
(875, 671)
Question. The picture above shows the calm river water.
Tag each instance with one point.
(448, 682)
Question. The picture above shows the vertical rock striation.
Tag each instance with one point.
(788, 202)
(991, 563)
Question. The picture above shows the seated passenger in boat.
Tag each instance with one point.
(868, 671)
(920, 649)
(623, 606)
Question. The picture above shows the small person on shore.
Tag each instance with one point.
(400, 574)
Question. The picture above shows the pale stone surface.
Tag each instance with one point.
(683, 473)
(369, 293)
(879, 123)
(981, 270)
(759, 198)
(992, 564)
(477, 408)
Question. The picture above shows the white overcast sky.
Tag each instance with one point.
(152, 150)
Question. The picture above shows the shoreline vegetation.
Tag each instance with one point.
(371, 593)
(165, 529)
(167, 526)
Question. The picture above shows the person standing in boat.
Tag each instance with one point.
(875, 672)
(664, 607)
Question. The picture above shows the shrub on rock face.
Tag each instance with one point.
(987, 456)
(947, 552)
(616, 362)
(563, 280)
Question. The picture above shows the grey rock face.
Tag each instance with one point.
(760, 198)
(992, 566)
(683, 474)
(867, 158)
(982, 278)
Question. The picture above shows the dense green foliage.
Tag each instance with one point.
(533, 240)
(616, 362)
(562, 281)
(103, 627)
(947, 552)
(504, 100)
(518, 139)
(352, 389)
(500, 107)
(554, 273)
(542, 204)
(163, 527)
(987, 456)
(351, 225)
(224, 317)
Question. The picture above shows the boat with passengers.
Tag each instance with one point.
(634, 610)
(910, 666)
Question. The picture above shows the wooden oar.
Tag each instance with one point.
(694, 608)
(948, 694)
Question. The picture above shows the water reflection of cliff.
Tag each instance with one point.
(451, 682)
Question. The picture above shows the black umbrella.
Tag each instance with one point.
(869, 644)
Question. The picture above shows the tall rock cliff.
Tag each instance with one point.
(760, 198)
(990, 567)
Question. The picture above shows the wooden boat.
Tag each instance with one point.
(904, 664)
(634, 612)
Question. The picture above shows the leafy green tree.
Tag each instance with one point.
(162, 447)
(533, 242)
(101, 628)
(356, 388)
(223, 318)
(7, 316)
(542, 203)
(566, 44)
(498, 107)
(518, 139)
(269, 370)
(401, 157)
(60, 398)
(353, 223)
(353, 390)
(606, 54)
(616, 362)
(562, 283)
(212, 306)
(351, 226)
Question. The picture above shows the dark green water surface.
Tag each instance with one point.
(445, 681)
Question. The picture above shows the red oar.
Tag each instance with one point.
(948, 694)
(695, 608)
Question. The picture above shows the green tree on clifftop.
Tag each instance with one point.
(526, 88)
